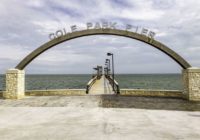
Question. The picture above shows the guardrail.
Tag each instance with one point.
(90, 83)
(116, 85)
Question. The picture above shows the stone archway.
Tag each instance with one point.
(183, 63)
(15, 77)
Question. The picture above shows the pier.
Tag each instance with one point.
(100, 86)
(101, 110)
(100, 70)
(15, 78)
(103, 83)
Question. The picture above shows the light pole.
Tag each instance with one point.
(113, 72)
(106, 65)
(108, 61)
(106, 71)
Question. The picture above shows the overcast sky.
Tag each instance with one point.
(25, 25)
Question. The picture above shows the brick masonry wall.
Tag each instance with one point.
(191, 82)
(152, 93)
(14, 84)
(56, 92)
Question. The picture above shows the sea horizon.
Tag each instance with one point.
(93, 74)
(166, 81)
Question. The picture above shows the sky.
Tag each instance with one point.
(26, 25)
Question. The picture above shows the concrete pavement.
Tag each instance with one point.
(82, 118)
(75, 123)
(101, 86)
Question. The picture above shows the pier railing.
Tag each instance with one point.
(90, 83)
(116, 85)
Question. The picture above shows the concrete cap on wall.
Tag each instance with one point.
(15, 71)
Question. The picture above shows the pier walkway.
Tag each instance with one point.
(101, 86)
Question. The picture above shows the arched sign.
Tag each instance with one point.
(183, 63)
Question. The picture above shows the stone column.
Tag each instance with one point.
(191, 82)
(15, 88)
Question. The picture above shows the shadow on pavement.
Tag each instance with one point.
(158, 103)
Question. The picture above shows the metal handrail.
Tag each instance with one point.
(90, 83)
(116, 85)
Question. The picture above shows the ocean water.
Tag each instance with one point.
(136, 81)
(150, 81)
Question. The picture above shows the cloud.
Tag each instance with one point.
(27, 25)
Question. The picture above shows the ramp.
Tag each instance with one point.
(101, 86)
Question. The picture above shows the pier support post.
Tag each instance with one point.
(191, 82)
(15, 88)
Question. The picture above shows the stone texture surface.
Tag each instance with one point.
(14, 84)
(124, 92)
(55, 92)
(152, 93)
(191, 82)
